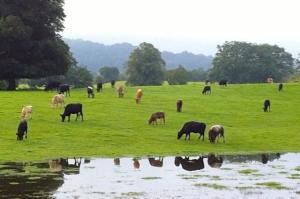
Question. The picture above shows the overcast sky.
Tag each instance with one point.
(185, 25)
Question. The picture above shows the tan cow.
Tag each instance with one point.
(120, 91)
(58, 99)
(26, 112)
(138, 96)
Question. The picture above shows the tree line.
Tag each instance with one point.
(31, 47)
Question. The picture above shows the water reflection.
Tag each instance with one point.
(156, 162)
(154, 177)
(190, 164)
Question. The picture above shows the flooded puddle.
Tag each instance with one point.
(210, 176)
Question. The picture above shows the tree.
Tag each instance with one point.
(241, 62)
(30, 46)
(145, 66)
(178, 76)
(109, 73)
(76, 76)
(198, 74)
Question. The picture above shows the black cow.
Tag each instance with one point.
(179, 105)
(267, 105)
(64, 88)
(90, 92)
(192, 126)
(280, 87)
(99, 87)
(112, 82)
(190, 165)
(206, 90)
(52, 85)
(22, 129)
(214, 132)
(72, 109)
(223, 82)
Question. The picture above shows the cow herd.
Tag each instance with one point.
(214, 133)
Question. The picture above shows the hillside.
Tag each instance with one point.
(94, 55)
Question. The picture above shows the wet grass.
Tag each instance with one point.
(294, 176)
(273, 185)
(297, 168)
(247, 171)
(210, 185)
(114, 127)
(151, 178)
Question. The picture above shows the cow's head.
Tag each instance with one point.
(62, 117)
(179, 135)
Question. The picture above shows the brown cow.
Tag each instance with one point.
(138, 96)
(155, 116)
(179, 105)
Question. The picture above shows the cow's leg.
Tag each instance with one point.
(69, 118)
(81, 116)
(76, 116)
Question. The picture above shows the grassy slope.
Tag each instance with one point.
(118, 127)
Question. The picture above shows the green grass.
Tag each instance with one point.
(116, 127)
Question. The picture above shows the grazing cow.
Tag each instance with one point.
(267, 105)
(26, 112)
(112, 82)
(72, 109)
(179, 105)
(52, 85)
(206, 90)
(99, 87)
(58, 99)
(192, 126)
(22, 129)
(214, 132)
(155, 116)
(214, 162)
(156, 163)
(223, 82)
(280, 87)
(207, 82)
(190, 165)
(64, 88)
(138, 96)
(120, 91)
(90, 92)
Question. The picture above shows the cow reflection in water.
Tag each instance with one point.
(65, 165)
(136, 163)
(156, 162)
(213, 161)
(190, 165)
(117, 161)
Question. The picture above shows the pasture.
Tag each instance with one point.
(118, 127)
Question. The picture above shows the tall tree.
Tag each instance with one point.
(145, 66)
(241, 62)
(30, 46)
(177, 76)
(109, 73)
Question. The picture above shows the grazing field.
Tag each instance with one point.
(115, 127)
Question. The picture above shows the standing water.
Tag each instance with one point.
(210, 176)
